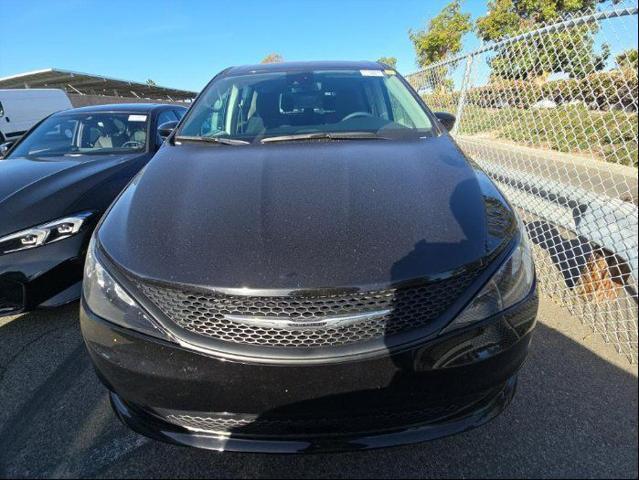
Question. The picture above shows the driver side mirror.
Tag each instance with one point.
(167, 128)
(446, 119)
(5, 147)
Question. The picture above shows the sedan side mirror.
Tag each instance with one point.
(166, 128)
(4, 148)
(446, 119)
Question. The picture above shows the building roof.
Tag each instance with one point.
(87, 84)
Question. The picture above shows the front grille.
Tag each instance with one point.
(205, 313)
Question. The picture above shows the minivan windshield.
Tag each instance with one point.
(87, 134)
(306, 105)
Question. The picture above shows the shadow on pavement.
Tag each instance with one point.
(575, 414)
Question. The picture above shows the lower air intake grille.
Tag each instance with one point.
(11, 297)
(207, 313)
(328, 424)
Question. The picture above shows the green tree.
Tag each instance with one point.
(150, 83)
(507, 17)
(571, 50)
(439, 41)
(627, 59)
(273, 58)
(443, 36)
(390, 61)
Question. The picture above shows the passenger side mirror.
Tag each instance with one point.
(4, 148)
(166, 128)
(446, 119)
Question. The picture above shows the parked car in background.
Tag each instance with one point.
(309, 263)
(21, 109)
(55, 183)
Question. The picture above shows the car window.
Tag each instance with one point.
(166, 116)
(256, 106)
(179, 113)
(56, 135)
(404, 110)
(86, 133)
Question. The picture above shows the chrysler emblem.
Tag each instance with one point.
(302, 323)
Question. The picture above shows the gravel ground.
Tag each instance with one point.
(574, 415)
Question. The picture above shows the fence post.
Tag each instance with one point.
(463, 90)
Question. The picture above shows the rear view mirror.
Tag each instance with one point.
(167, 128)
(446, 119)
(4, 148)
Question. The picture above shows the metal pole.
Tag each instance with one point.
(462, 96)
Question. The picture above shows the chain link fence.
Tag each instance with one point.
(551, 115)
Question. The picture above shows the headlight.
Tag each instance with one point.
(43, 234)
(108, 300)
(510, 285)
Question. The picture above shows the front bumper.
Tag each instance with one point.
(47, 276)
(446, 385)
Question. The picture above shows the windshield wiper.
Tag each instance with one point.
(325, 135)
(218, 140)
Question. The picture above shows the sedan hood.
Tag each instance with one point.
(36, 190)
(305, 215)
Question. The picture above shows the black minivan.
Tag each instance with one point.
(309, 263)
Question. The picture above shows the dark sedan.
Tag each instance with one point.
(55, 183)
(309, 263)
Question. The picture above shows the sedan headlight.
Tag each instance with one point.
(510, 285)
(43, 234)
(108, 300)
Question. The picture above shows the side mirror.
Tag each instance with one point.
(4, 148)
(166, 128)
(446, 119)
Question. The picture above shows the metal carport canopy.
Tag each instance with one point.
(87, 84)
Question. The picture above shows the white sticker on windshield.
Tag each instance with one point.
(137, 118)
(372, 73)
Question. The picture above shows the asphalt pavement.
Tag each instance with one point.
(574, 415)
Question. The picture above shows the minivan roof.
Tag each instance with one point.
(304, 66)
(121, 107)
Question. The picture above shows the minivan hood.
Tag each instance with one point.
(305, 215)
(35, 190)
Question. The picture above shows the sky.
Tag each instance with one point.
(184, 43)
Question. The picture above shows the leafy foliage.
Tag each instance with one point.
(507, 17)
(390, 61)
(614, 90)
(443, 37)
(571, 51)
(273, 58)
(595, 115)
(627, 59)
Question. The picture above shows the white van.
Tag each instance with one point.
(20, 109)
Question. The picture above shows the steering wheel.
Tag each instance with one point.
(356, 115)
(132, 144)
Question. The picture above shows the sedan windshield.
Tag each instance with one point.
(85, 133)
(284, 106)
